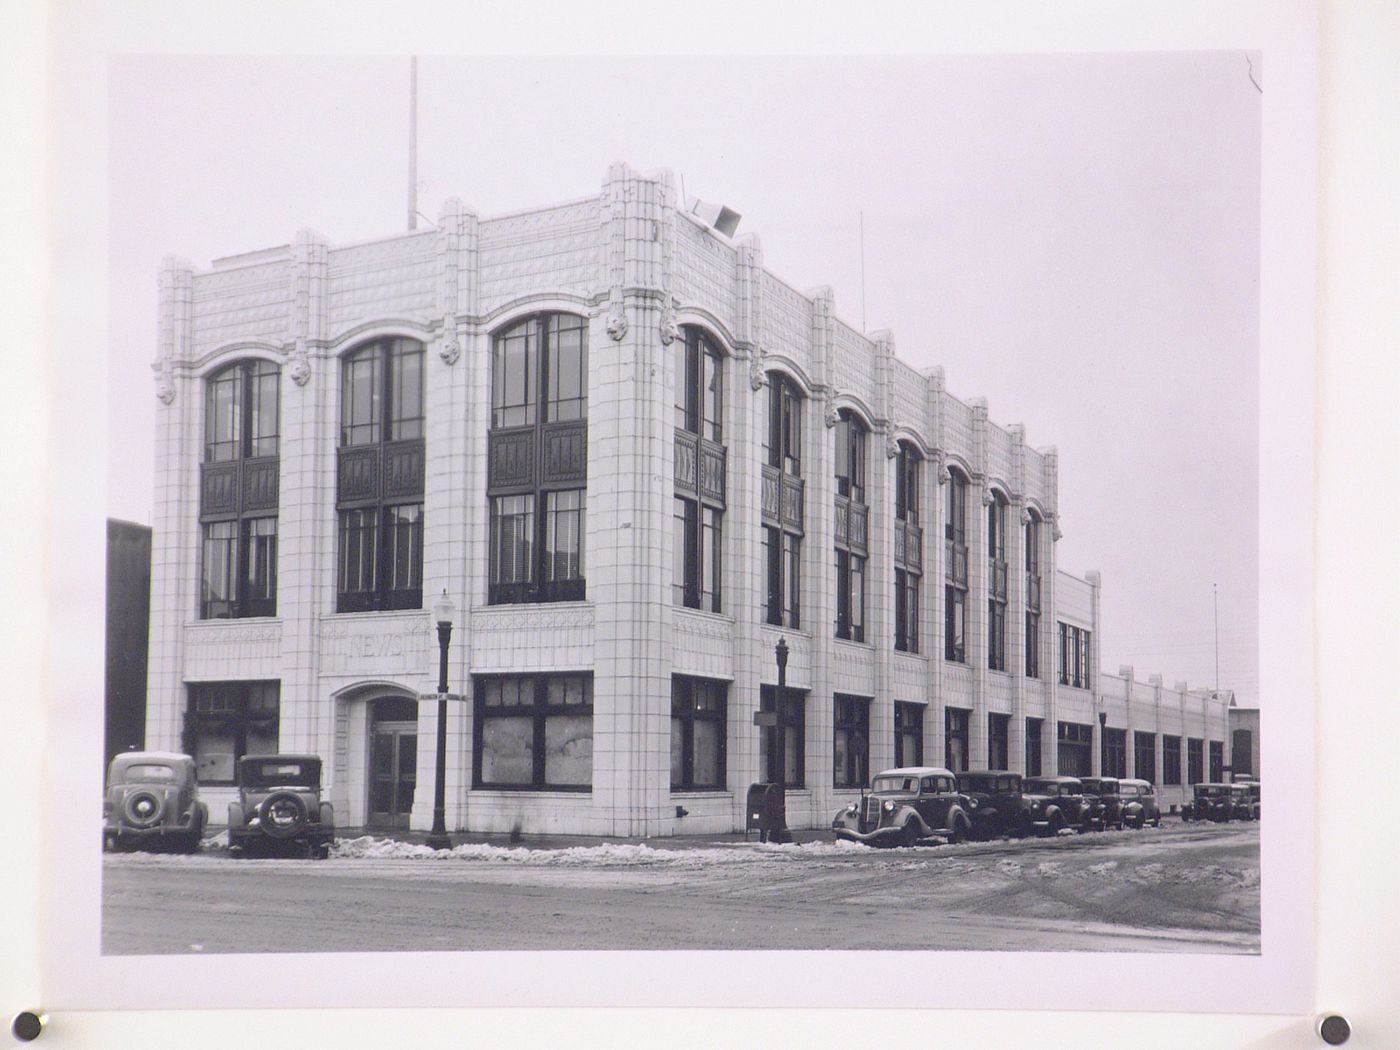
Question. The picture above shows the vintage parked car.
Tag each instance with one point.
(1244, 801)
(1212, 801)
(1139, 803)
(1104, 791)
(152, 800)
(279, 807)
(1066, 794)
(1253, 786)
(998, 805)
(905, 806)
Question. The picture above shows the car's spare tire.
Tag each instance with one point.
(142, 809)
(283, 814)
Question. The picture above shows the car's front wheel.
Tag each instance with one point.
(909, 834)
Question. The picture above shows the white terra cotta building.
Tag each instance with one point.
(635, 460)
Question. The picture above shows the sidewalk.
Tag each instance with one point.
(506, 841)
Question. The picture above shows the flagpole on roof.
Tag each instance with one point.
(413, 143)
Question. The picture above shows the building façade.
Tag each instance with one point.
(634, 460)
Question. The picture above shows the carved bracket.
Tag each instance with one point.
(165, 380)
(832, 415)
(301, 364)
(757, 376)
(450, 351)
(891, 443)
(670, 330)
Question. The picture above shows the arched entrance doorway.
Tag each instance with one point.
(393, 760)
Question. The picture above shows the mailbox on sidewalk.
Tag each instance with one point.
(767, 812)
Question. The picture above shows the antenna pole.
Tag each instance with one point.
(862, 271)
(1215, 596)
(413, 143)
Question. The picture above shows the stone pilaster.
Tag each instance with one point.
(175, 538)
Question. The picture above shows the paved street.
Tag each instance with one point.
(1180, 888)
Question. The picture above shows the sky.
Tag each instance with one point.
(1074, 237)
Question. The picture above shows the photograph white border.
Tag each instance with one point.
(1282, 33)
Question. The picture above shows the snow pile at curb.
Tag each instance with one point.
(603, 855)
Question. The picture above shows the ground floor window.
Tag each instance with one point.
(1171, 760)
(783, 747)
(1075, 750)
(851, 741)
(1217, 761)
(998, 731)
(1033, 746)
(1195, 761)
(955, 720)
(534, 731)
(1115, 752)
(697, 733)
(908, 734)
(227, 720)
(1145, 757)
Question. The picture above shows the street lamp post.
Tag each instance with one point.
(443, 612)
(776, 772)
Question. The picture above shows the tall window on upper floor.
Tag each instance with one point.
(700, 471)
(379, 478)
(1074, 656)
(238, 492)
(955, 560)
(996, 582)
(908, 548)
(538, 461)
(784, 502)
(1032, 595)
(852, 525)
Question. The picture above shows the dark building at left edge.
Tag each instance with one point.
(128, 624)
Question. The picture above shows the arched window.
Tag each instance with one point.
(852, 525)
(955, 560)
(379, 477)
(908, 548)
(783, 501)
(238, 492)
(538, 462)
(700, 459)
(996, 582)
(1033, 595)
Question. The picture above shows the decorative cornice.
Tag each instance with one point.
(532, 619)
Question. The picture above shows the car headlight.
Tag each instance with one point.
(853, 809)
(889, 807)
(972, 803)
